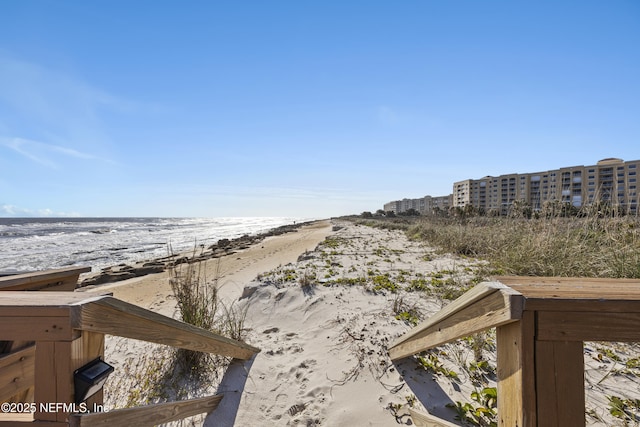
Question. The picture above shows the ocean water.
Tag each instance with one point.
(28, 244)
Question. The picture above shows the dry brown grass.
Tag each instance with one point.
(557, 246)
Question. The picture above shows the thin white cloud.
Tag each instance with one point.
(9, 211)
(40, 152)
(57, 109)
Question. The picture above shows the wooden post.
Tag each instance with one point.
(560, 383)
(64, 377)
(45, 385)
(516, 368)
(55, 363)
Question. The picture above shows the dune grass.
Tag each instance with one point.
(198, 304)
(589, 246)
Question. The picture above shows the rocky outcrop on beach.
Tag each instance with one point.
(221, 248)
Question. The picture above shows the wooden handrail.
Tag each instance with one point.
(58, 316)
(63, 279)
(487, 305)
(65, 326)
(111, 316)
(149, 415)
(16, 361)
(541, 325)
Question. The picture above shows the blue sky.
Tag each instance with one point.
(302, 108)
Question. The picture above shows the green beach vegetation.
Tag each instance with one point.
(554, 243)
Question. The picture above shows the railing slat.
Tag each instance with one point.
(17, 372)
(111, 316)
(485, 306)
(150, 415)
(63, 279)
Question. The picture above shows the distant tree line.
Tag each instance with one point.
(517, 209)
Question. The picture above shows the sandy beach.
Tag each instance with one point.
(323, 304)
(235, 270)
(324, 346)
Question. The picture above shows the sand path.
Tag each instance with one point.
(234, 270)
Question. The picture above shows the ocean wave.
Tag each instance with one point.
(28, 244)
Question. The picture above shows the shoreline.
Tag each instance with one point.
(223, 247)
(234, 268)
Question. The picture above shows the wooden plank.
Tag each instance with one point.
(44, 299)
(45, 384)
(590, 306)
(470, 297)
(41, 304)
(493, 309)
(147, 415)
(19, 310)
(111, 316)
(560, 383)
(63, 279)
(23, 419)
(574, 287)
(25, 395)
(32, 328)
(26, 423)
(516, 373)
(54, 377)
(17, 372)
(87, 348)
(544, 280)
(420, 419)
(580, 326)
(584, 291)
(64, 376)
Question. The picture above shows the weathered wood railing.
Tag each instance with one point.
(17, 351)
(63, 279)
(68, 329)
(541, 323)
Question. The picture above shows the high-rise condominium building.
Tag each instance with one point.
(425, 205)
(611, 181)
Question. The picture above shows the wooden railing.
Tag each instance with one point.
(20, 352)
(68, 330)
(64, 279)
(541, 324)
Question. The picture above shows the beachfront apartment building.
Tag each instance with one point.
(424, 205)
(611, 181)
